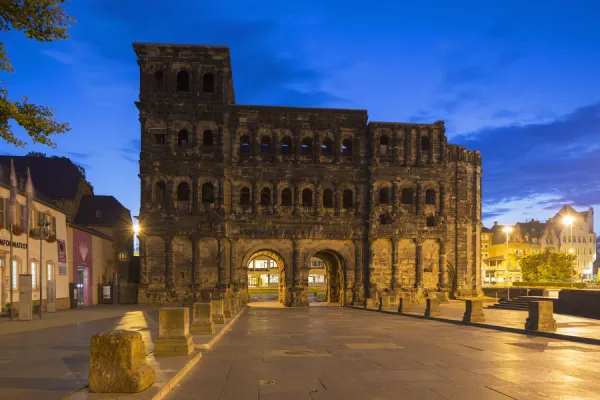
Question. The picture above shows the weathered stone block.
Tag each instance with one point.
(433, 307)
(370, 303)
(237, 305)
(405, 305)
(202, 322)
(174, 337)
(217, 311)
(474, 311)
(541, 317)
(118, 363)
(228, 311)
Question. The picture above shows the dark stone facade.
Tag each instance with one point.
(389, 207)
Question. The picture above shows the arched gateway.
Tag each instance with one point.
(384, 205)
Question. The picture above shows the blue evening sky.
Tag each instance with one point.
(518, 80)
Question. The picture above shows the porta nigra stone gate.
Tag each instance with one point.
(391, 208)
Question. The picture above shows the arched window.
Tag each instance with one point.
(347, 198)
(183, 196)
(430, 196)
(208, 193)
(327, 147)
(328, 198)
(286, 197)
(265, 144)
(160, 193)
(158, 81)
(207, 138)
(383, 144)
(245, 144)
(424, 143)
(183, 81)
(286, 145)
(306, 146)
(431, 221)
(49, 271)
(347, 148)
(208, 83)
(407, 196)
(384, 195)
(384, 219)
(182, 138)
(265, 197)
(307, 198)
(244, 196)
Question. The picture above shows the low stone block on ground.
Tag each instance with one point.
(218, 312)
(227, 308)
(202, 319)
(541, 316)
(473, 311)
(174, 338)
(405, 305)
(433, 307)
(370, 303)
(118, 363)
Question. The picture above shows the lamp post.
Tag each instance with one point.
(568, 220)
(43, 233)
(507, 230)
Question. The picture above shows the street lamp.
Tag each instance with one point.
(43, 233)
(136, 229)
(507, 230)
(568, 220)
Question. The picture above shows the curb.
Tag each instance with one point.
(550, 335)
(218, 336)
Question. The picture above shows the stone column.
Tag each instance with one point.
(418, 200)
(419, 262)
(170, 199)
(316, 148)
(337, 145)
(296, 199)
(144, 270)
(195, 195)
(296, 261)
(233, 267)
(336, 199)
(442, 200)
(395, 264)
(358, 295)
(169, 267)
(356, 199)
(254, 198)
(275, 202)
(395, 198)
(195, 259)
(220, 191)
(443, 276)
(317, 207)
(395, 146)
(221, 263)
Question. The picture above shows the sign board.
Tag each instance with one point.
(51, 296)
(25, 298)
(106, 292)
(16, 245)
(62, 257)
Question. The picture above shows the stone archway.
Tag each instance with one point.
(273, 255)
(335, 274)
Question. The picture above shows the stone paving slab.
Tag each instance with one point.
(433, 360)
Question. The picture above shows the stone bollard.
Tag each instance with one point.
(174, 337)
(202, 322)
(217, 310)
(227, 310)
(118, 363)
(405, 304)
(238, 306)
(385, 303)
(370, 303)
(433, 307)
(541, 317)
(474, 311)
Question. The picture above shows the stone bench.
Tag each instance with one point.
(174, 337)
(433, 307)
(217, 311)
(473, 311)
(202, 319)
(118, 363)
(541, 316)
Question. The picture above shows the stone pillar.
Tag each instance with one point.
(356, 199)
(296, 199)
(474, 311)
(418, 200)
(358, 295)
(254, 198)
(433, 308)
(217, 311)
(195, 196)
(318, 204)
(405, 304)
(232, 278)
(195, 259)
(202, 321)
(541, 317)
(395, 265)
(336, 199)
(395, 145)
(275, 197)
(221, 263)
(442, 200)
(169, 267)
(443, 275)
(144, 270)
(337, 145)
(174, 337)
(170, 200)
(228, 310)
(118, 363)
(296, 262)
(220, 196)
(395, 198)
(419, 262)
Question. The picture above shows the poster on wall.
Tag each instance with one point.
(62, 257)
(25, 297)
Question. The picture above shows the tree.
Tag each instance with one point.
(548, 266)
(44, 21)
(38, 154)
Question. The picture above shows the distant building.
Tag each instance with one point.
(578, 238)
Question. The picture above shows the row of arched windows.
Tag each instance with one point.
(305, 201)
(183, 138)
(183, 81)
(406, 196)
(384, 144)
(287, 145)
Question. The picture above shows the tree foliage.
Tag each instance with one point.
(548, 266)
(38, 154)
(44, 21)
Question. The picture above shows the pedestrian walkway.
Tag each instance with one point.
(343, 353)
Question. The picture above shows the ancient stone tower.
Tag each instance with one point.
(389, 207)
